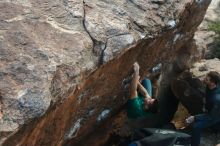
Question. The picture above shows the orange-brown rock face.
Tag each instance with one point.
(64, 63)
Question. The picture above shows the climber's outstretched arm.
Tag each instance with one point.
(135, 80)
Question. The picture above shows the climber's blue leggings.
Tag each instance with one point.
(147, 85)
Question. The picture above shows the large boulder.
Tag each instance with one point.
(64, 63)
(188, 86)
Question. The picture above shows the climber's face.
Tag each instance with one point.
(208, 82)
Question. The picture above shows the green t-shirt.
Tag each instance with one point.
(135, 108)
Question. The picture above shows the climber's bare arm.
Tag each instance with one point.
(143, 90)
(147, 99)
(135, 80)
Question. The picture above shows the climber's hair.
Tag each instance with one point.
(214, 77)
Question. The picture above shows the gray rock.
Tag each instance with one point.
(51, 52)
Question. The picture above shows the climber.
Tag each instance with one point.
(139, 102)
(212, 116)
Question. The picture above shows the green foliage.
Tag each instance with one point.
(215, 26)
